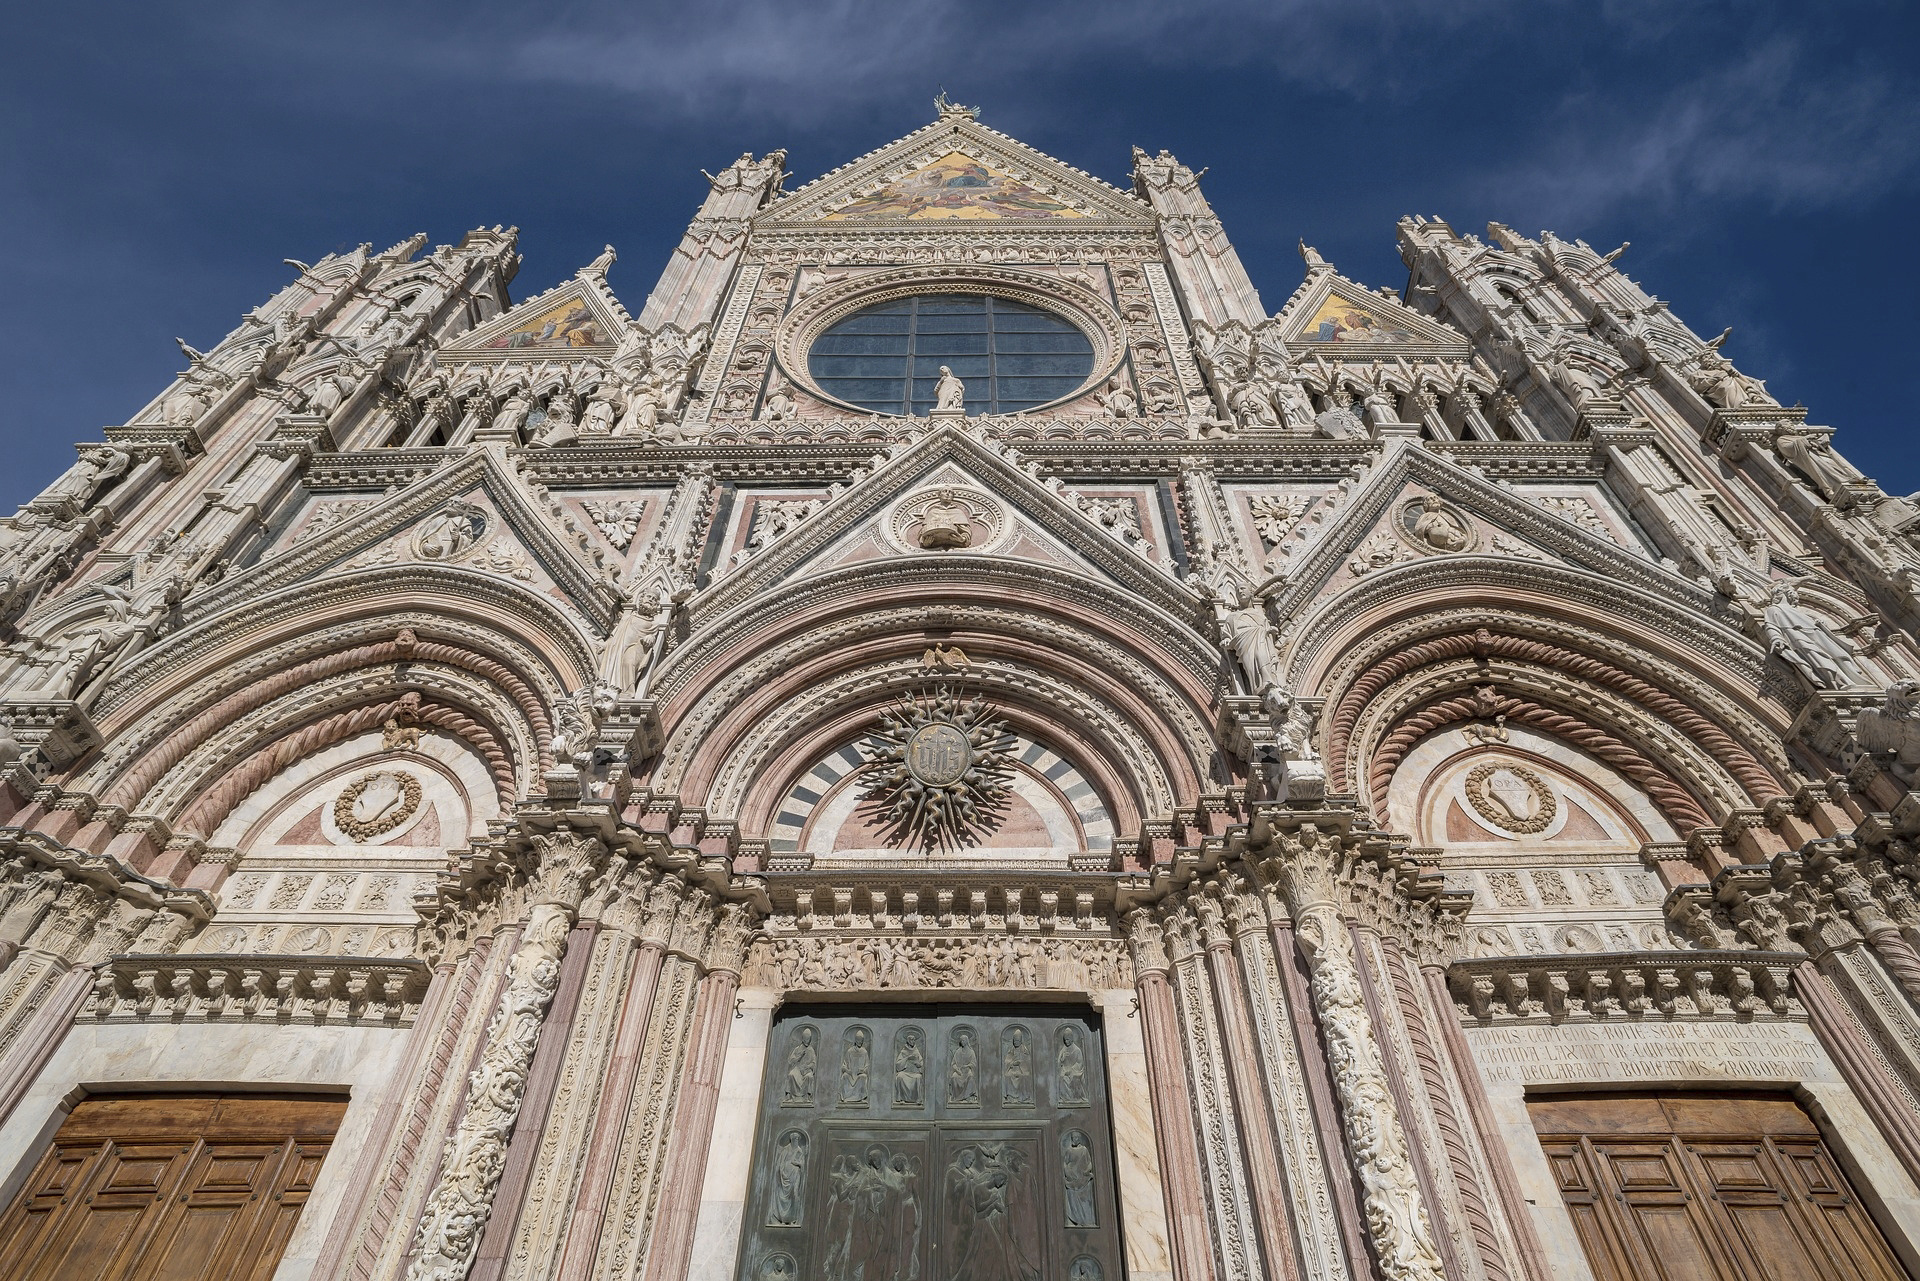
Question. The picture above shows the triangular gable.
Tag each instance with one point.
(956, 186)
(1516, 529)
(1332, 316)
(1062, 537)
(956, 168)
(581, 315)
(519, 524)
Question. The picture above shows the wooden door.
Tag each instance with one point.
(1704, 1187)
(955, 1143)
(168, 1188)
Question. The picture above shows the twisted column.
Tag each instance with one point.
(462, 1198)
(1394, 1213)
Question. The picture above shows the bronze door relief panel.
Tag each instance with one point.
(933, 1143)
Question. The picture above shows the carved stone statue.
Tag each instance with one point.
(602, 406)
(1252, 403)
(1829, 473)
(1247, 636)
(1725, 387)
(946, 522)
(1581, 388)
(949, 394)
(643, 411)
(779, 406)
(1118, 399)
(1893, 728)
(1439, 527)
(512, 415)
(1794, 633)
(95, 468)
(327, 394)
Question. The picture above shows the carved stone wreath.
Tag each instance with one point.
(1504, 812)
(941, 770)
(398, 810)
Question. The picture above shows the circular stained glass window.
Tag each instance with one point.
(1011, 356)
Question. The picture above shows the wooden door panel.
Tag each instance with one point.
(1731, 1187)
(168, 1188)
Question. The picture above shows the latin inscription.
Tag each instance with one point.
(1648, 1052)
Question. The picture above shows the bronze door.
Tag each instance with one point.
(168, 1188)
(1705, 1187)
(933, 1143)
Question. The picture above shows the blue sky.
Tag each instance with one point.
(157, 161)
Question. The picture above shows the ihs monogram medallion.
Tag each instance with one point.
(942, 769)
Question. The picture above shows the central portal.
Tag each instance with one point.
(933, 1143)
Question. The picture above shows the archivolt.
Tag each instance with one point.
(316, 714)
(136, 760)
(1484, 644)
(1074, 721)
(203, 817)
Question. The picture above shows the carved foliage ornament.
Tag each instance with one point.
(1511, 797)
(941, 768)
(376, 804)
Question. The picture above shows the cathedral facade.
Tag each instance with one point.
(953, 744)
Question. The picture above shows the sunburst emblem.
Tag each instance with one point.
(942, 766)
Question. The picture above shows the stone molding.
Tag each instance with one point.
(1625, 987)
(285, 990)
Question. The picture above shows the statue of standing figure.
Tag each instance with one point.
(949, 394)
(87, 477)
(1247, 636)
(1794, 633)
(1832, 478)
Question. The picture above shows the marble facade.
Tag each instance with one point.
(1378, 712)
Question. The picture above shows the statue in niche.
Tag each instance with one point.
(1831, 476)
(1076, 1171)
(803, 1065)
(1016, 1068)
(1794, 633)
(778, 1267)
(856, 1060)
(1071, 1069)
(643, 411)
(789, 1180)
(963, 1069)
(949, 393)
(1252, 403)
(1581, 388)
(511, 418)
(602, 405)
(1118, 399)
(327, 394)
(909, 1068)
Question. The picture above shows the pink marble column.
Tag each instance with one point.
(543, 1076)
(379, 1181)
(610, 1118)
(1252, 1110)
(1900, 959)
(1506, 1180)
(1878, 1093)
(1326, 1116)
(670, 1253)
(1173, 1130)
(1363, 941)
